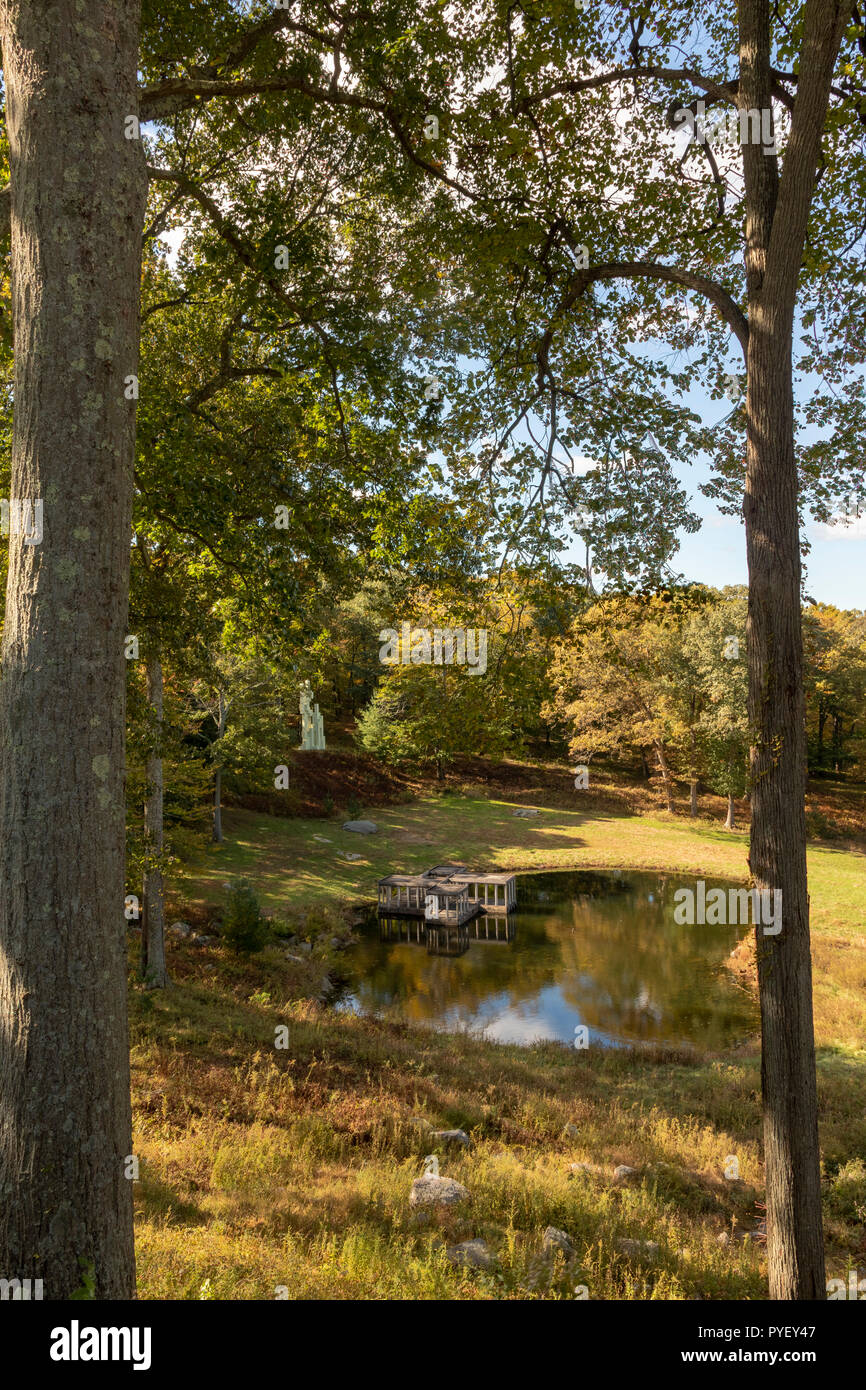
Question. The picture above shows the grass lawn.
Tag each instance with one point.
(265, 1167)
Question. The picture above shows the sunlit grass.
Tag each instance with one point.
(266, 1170)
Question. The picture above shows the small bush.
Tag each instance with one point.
(353, 806)
(244, 929)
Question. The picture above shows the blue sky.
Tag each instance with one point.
(835, 565)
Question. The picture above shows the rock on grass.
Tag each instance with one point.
(437, 1192)
(473, 1254)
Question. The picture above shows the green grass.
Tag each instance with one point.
(294, 871)
(265, 1168)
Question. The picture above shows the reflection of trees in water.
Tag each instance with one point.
(610, 945)
(427, 988)
(632, 971)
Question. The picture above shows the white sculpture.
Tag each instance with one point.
(312, 724)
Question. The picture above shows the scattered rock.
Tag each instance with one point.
(723, 1238)
(421, 1122)
(571, 1132)
(180, 929)
(594, 1169)
(649, 1248)
(299, 960)
(200, 940)
(324, 839)
(305, 946)
(526, 811)
(474, 1254)
(554, 1240)
(437, 1192)
(451, 1136)
(344, 854)
(210, 968)
(361, 827)
(623, 1173)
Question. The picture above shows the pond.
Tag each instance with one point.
(592, 949)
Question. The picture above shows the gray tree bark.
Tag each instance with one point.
(153, 967)
(777, 210)
(729, 823)
(77, 206)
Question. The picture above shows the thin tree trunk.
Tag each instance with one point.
(153, 968)
(729, 823)
(77, 205)
(776, 219)
(822, 719)
(667, 784)
(218, 773)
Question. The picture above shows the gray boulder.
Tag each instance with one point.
(180, 929)
(437, 1192)
(472, 1254)
(526, 811)
(623, 1173)
(554, 1240)
(451, 1136)
(361, 827)
(647, 1248)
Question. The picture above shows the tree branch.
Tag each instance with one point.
(633, 270)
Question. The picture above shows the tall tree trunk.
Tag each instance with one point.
(776, 219)
(77, 205)
(693, 777)
(153, 968)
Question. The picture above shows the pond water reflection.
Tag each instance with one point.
(583, 948)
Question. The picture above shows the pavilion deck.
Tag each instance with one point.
(405, 894)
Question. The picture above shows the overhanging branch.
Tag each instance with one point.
(634, 270)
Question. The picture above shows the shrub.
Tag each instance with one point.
(353, 806)
(244, 928)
